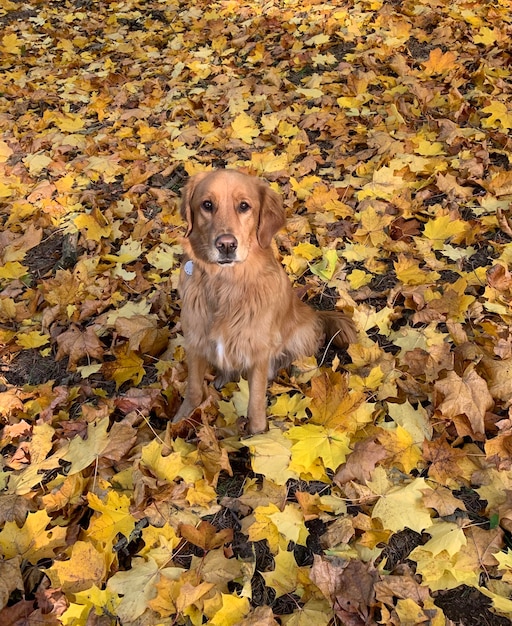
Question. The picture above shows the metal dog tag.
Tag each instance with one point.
(189, 268)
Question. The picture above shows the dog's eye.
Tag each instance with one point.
(207, 206)
(244, 207)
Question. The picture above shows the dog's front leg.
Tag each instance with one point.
(257, 410)
(197, 366)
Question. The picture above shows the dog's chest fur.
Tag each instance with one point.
(228, 318)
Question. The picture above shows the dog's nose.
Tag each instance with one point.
(226, 245)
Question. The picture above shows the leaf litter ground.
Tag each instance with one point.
(381, 493)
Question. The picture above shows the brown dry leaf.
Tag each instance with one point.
(143, 333)
(10, 579)
(389, 588)
(361, 462)
(214, 457)
(499, 376)
(121, 438)
(78, 345)
(442, 500)
(467, 395)
(445, 462)
(205, 536)
(349, 586)
(499, 277)
(261, 616)
(14, 508)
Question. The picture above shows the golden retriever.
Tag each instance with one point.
(239, 312)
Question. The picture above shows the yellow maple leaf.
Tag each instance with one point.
(106, 166)
(268, 162)
(82, 452)
(486, 36)
(32, 541)
(262, 527)
(409, 272)
(415, 420)
(401, 448)
(359, 278)
(313, 442)
(12, 270)
(112, 516)
(385, 184)
(171, 466)
(128, 366)
(370, 382)
(103, 601)
(270, 456)
(94, 231)
(283, 578)
(36, 163)
(69, 122)
(159, 541)
(325, 268)
(444, 571)
(137, 586)
(402, 507)
(444, 228)
(11, 44)
(334, 405)
(445, 536)
(85, 567)
(499, 115)
(201, 494)
(290, 524)
(439, 61)
(290, 406)
(232, 611)
(163, 256)
(244, 127)
(32, 339)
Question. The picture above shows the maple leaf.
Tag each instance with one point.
(128, 366)
(439, 61)
(77, 345)
(271, 455)
(467, 395)
(82, 452)
(361, 462)
(231, 611)
(314, 443)
(136, 586)
(283, 578)
(244, 128)
(143, 333)
(10, 579)
(206, 536)
(333, 405)
(86, 566)
(402, 507)
(32, 541)
(112, 517)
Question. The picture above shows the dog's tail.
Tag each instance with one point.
(338, 327)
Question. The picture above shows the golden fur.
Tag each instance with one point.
(239, 312)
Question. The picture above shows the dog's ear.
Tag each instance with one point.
(186, 196)
(272, 215)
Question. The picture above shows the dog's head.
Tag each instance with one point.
(228, 213)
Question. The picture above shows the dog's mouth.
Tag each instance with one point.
(226, 261)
